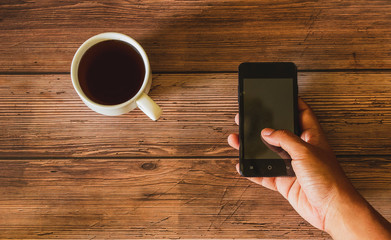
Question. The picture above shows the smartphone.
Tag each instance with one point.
(267, 99)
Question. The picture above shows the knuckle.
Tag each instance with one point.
(300, 147)
(284, 132)
(305, 150)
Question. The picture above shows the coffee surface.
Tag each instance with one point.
(111, 72)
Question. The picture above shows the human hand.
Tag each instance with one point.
(320, 187)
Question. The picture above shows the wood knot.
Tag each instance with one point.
(148, 166)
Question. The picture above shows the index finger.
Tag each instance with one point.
(307, 117)
(311, 130)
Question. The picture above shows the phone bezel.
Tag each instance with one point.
(279, 167)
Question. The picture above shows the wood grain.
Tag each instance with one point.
(42, 116)
(159, 198)
(69, 173)
(180, 35)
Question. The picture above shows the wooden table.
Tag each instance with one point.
(70, 173)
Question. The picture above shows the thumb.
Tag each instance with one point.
(288, 141)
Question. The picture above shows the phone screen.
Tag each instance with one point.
(267, 103)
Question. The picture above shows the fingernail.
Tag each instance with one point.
(267, 131)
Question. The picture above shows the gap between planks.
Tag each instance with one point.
(221, 158)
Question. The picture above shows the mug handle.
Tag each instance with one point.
(149, 107)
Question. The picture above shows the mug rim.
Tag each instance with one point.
(95, 40)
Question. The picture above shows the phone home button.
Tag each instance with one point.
(269, 167)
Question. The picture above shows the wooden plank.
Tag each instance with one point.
(41, 115)
(207, 35)
(164, 198)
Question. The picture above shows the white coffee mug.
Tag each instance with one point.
(141, 99)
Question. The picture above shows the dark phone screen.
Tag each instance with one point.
(268, 103)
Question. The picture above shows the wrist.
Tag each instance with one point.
(341, 211)
(352, 217)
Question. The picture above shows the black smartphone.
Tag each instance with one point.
(267, 99)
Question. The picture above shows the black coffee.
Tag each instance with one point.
(111, 72)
